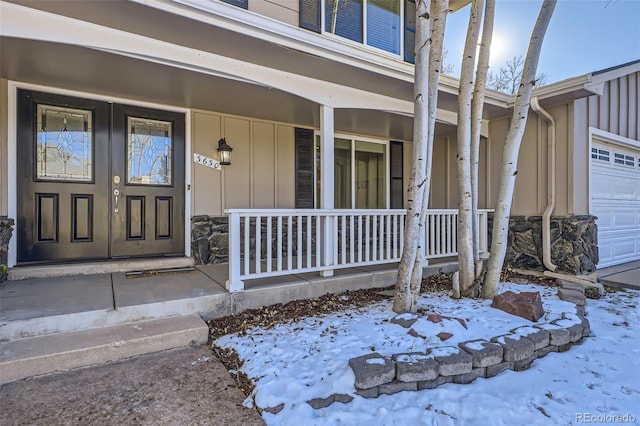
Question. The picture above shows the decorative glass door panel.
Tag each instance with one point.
(64, 144)
(149, 152)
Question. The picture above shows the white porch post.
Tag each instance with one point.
(326, 184)
(234, 283)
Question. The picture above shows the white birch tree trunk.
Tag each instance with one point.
(511, 150)
(439, 13)
(476, 119)
(463, 158)
(417, 180)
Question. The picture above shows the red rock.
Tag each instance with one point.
(443, 335)
(527, 305)
(437, 318)
(413, 333)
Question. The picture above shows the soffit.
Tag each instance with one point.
(113, 76)
(150, 22)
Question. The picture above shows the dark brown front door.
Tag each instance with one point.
(97, 180)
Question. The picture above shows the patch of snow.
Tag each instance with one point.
(444, 351)
(406, 316)
(525, 331)
(293, 363)
(511, 336)
(377, 361)
(475, 346)
(412, 358)
(565, 323)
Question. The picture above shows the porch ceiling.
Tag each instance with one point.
(96, 72)
(139, 19)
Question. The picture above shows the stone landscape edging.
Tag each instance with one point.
(376, 374)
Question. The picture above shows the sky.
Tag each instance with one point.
(583, 35)
(297, 361)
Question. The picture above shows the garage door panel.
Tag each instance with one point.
(610, 218)
(601, 188)
(608, 187)
(616, 251)
(615, 201)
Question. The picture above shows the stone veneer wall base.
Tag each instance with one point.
(574, 243)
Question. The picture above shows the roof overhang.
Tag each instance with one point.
(583, 85)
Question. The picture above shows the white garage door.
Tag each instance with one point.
(615, 200)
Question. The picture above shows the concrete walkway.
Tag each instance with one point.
(176, 387)
(626, 275)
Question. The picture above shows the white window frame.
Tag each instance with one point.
(401, 30)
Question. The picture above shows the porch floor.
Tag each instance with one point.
(39, 306)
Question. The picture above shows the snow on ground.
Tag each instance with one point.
(595, 380)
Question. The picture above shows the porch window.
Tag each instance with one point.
(360, 174)
(240, 3)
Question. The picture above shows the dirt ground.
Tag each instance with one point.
(178, 387)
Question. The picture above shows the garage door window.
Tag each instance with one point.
(624, 160)
(600, 154)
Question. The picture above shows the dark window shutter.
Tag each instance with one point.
(310, 15)
(304, 168)
(396, 166)
(240, 3)
(410, 31)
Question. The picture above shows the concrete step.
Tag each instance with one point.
(34, 356)
(65, 270)
(209, 306)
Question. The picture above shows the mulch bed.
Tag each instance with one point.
(270, 316)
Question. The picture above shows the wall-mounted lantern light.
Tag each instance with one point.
(224, 152)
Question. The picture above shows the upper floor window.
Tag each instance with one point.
(240, 3)
(377, 23)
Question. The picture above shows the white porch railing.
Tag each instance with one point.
(266, 243)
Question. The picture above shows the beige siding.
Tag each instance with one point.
(617, 110)
(237, 177)
(261, 175)
(530, 194)
(285, 170)
(264, 166)
(444, 190)
(282, 10)
(3, 147)
(206, 190)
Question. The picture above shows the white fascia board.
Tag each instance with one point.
(223, 15)
(324, 45)
(590, 82)
(598, 81)
(27, 23)
(563, 87)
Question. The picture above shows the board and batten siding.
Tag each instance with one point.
(261, 174)
(530, 193)
(617, 111)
